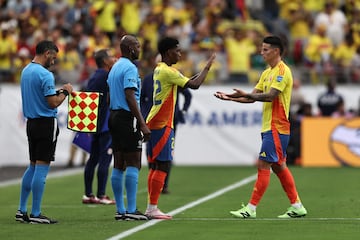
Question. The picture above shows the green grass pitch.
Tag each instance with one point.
(200, 198)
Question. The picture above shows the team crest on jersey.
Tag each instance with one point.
(279, 78)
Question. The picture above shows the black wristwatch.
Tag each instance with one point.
(63, 91)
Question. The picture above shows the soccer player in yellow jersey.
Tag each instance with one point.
(274, 89)
(160, 120)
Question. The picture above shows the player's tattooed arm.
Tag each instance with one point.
(264, 97)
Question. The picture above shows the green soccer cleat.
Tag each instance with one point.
(293, 212)
(244, 212)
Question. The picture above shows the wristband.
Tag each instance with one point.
(64, 91)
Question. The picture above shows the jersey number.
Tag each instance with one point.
(157, 91)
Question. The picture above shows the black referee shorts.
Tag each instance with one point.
(125, 132)
(42, 136)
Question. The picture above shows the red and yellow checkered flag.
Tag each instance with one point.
(83, 111)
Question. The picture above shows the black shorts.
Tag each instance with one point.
(42, 137)
(125, 132)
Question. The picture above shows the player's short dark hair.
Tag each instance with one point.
(167, 43)
(99, 57)
(275, 42)
(44, 46)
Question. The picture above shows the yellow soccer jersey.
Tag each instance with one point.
(344, 54)
(130, 10)
(166, 81)
(105, 20)
(276, 113)
(318, 46)
(239, 63)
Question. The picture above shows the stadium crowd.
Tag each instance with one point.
(323, 37)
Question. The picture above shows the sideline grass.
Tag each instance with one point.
(331, 196)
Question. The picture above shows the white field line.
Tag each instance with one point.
(307, 219)
(185, 207)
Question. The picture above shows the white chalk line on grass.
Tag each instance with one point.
(267, 219)
(185, 207)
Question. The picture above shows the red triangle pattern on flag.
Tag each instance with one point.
(83, 111)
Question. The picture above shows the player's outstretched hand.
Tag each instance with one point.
(222, 96)
(238, 93)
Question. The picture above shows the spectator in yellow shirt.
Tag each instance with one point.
(130, 9)
(313, 7)
(105, 16)
(69, 64)
(318, 54)
(150, 27)
(169, 12)
(7, 51)
(238, 48)
(355, 26)
(343, 55)
(299, 22)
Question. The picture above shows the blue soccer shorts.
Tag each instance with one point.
(161, 145)
(273, 148)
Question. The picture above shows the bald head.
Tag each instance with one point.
(130, 47)
(127, 40)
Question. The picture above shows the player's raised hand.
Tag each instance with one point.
(210, 61)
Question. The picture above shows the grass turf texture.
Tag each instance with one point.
(331, 196)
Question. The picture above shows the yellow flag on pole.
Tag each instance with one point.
(83, 111)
